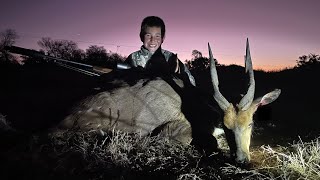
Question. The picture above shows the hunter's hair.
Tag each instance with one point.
(152, 21)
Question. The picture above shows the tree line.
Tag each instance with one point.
(98, 55)
(64, 49)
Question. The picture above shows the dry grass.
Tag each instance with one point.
(90, 155)
(4, 124)
(299, 161)
(129, 156)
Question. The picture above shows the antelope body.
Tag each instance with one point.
(157, 104)
(140, 108)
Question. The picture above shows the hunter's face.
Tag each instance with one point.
(152, 39)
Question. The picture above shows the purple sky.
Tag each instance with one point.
(279, 31)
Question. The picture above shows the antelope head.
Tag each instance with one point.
(239, 118)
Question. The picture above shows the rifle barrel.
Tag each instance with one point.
(34, 53)
(91, 70)
(83, 71)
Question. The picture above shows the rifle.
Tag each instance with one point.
(76, 66)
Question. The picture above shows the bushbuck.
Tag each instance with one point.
(159, 104)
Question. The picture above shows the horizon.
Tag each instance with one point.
(278, 33)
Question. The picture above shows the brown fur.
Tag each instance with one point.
(140, 108)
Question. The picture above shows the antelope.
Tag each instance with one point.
(157, 104)
(239, 117)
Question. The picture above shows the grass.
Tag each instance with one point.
(299, 161)
(118, 155)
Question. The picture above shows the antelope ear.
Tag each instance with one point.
(267, 98)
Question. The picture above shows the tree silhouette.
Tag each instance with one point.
(115, 57)
(199, 64)
(64, 49)
(78, 55)
(308, 61)
(96, 55)
(7, 38)
(196, 54)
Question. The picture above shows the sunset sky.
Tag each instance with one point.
(279, 31)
